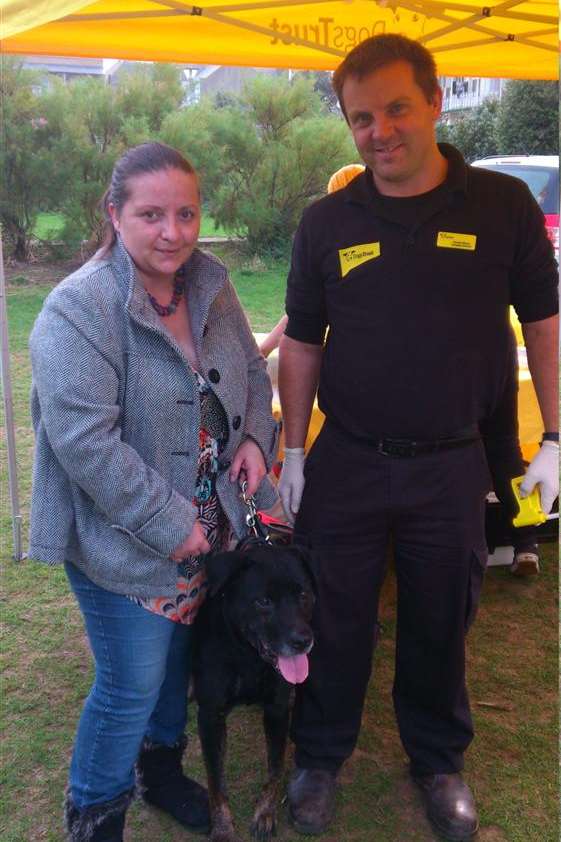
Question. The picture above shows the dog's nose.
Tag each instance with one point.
(301, 640)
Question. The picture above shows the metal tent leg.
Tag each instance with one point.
(9, 415)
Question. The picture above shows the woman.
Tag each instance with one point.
(150, 402)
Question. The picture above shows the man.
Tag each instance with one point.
(499, 432)
(411, 268)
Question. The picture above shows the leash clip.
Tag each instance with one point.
(253, 522)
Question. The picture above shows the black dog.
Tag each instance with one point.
(252, 640)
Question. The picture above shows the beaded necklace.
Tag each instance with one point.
(178, 290)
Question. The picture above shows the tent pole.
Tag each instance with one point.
(9, 414)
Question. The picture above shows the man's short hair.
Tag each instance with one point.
(380, 50)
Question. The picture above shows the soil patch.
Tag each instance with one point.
(41, 273)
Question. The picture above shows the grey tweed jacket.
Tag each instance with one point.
(116, 413)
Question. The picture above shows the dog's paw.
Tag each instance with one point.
(264, 825)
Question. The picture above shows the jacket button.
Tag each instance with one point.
(213, 375)
(236, 422)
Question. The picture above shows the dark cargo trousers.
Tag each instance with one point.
(431, 507)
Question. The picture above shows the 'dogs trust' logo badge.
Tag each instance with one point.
(354, 256)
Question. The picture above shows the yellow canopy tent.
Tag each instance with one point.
(508, 38)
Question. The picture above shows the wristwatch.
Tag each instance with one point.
(550, 437)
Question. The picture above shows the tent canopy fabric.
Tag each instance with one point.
(507, 38)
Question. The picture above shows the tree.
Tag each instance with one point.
(523, 121)
(148, 93)
(263, 159)
(26, 157)
(323, 86)
(87, 137)
(474, 134)
(527, 120)
(91, 126)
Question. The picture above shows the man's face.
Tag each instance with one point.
(393, 126)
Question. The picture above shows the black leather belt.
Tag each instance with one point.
(403, 448)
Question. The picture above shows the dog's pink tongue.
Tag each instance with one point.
(294, 669)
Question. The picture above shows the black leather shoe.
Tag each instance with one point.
(311, 800)
(450, 805)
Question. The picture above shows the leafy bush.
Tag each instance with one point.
(262, 158)
(475, 134)
(58, 146)
(27, 164)
(528, 119)
(523, 122)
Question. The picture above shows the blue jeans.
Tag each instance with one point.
(140, 689)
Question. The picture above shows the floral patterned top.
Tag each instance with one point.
(191, 578)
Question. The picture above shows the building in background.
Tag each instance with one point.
(461, 93)
(63, 68)
(199, 80)
(213, 79)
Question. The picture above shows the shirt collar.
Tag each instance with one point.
(363, 191)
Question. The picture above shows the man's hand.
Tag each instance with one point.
(195, 544)
(249, 460)
(291, 482)
(543, 470)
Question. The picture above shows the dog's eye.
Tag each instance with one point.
(263, 602)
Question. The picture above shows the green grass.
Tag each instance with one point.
(208, 228)
(512, 664)
(49, 226)
(262, 295)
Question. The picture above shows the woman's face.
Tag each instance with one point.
(159, 223)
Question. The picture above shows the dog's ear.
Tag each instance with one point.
(221, 567)
(307, 558)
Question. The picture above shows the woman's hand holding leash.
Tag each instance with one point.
(250, 461)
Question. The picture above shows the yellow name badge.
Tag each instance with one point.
(354, 256)
(448, 240)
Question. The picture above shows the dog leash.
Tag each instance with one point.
(258, 533)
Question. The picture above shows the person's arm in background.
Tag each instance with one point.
(542, 344)
(273, 339)
(542, 349)
(299, 366)
(300, 355)
(534, 286)
(499, 432)
(258, 449)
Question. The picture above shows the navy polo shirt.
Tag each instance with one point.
(414, 293)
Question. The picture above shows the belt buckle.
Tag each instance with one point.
(394, 447)
(381, 448)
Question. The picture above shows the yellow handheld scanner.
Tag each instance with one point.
(529, 508)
